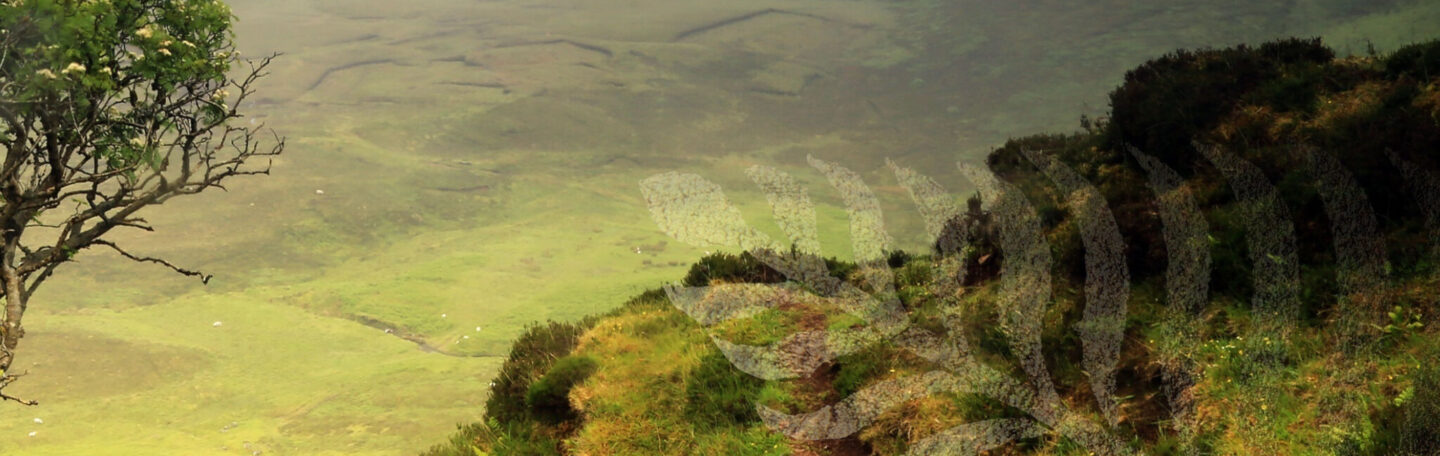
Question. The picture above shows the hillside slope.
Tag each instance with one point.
(1293, 315)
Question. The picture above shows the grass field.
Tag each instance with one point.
(458, 169)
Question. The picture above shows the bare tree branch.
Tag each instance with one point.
(204, 278)
(5, 381)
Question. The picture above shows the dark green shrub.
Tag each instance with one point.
(955, 235)
(978, 231)
(1289, 51)
(531, 356)
(913, 274)
(897, 258)
(1420, 61)
(548, 398)
(914, 283)
(1167, 102)
(653, 299)
(718, 394)
(746, 268)
(840, 269)
(1295, 91)
(725, 267)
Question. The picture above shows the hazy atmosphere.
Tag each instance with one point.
(458, 169)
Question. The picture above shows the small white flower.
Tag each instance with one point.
(46, 73)
(144, 32)
(166, 43)
(217, 324)
(73, 68)
(164, 51)
(220, 94)
(39, 421)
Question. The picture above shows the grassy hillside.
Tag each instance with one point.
(1348, 373)
(478, 170)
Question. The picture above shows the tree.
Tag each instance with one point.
(108, 107)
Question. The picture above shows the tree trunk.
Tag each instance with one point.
(14, 311)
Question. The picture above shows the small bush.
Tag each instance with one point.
(1293, 92)
(725, 267)
(653, 299)
(548, 398)
(914, 274)
(897, 258)
(531, 356)
(1420, 61)
(1166, 102)
(976, 235)
(840, 269)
